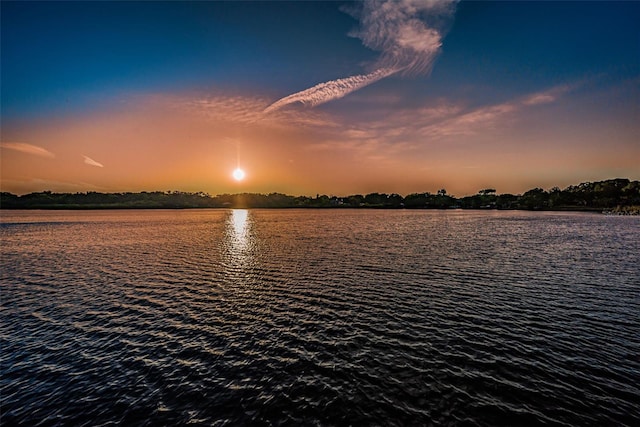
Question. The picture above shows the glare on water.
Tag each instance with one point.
(239, 228)
(238, 243)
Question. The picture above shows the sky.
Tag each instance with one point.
(330, 97)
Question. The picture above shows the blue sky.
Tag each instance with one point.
(67, 61)
(53, 48)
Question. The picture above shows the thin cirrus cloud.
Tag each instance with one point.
(490, 116)
(242, 110)
(548, 96)
(31, 149)
(91, 162)
(407, 33)
(407, 129)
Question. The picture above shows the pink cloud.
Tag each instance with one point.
(91, 162)
(27, 149)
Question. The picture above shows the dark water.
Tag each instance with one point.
(338, 317)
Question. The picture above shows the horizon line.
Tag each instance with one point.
(494, 191)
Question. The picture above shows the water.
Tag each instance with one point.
(319, 317)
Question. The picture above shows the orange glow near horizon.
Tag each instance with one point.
(438, 106)
(158, 144)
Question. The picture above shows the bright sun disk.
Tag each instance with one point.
(238, 174)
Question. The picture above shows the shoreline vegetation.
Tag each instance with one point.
(614, 196)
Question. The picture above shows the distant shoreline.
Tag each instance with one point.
(633, 212)
(615, 196)
(116, 207)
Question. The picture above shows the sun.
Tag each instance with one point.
(238, 174)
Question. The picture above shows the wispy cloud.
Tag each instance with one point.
(244, 110)
(90, 161)
(412, 129)
(490, 116)
(547, 96)
(27, 149)
(236, 109)
(331, 90)
(407, 33)
(28, 185)
(468, 123)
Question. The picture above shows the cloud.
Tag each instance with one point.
(547, 96)
(90, 161)
(27, 149)
(331, 90)
(468, 123)
(403, 130)
(492, 116)
(407, 33)
(28, 185)
(541, 98)
(243, 110)
(236, 109)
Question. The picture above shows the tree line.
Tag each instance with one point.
(620, 195)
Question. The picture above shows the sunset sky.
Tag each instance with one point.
(318, 97)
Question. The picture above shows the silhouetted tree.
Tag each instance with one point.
(608, 194)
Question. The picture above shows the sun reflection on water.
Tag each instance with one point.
(239, 230)
(239, 240)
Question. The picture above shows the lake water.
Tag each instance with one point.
(319, 317)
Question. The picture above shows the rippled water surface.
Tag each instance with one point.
(319, 317)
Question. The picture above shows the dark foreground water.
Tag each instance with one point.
(327, 317)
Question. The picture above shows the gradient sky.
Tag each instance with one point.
(412, 96)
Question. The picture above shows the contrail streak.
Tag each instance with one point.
(331, 90)
(408, 34)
